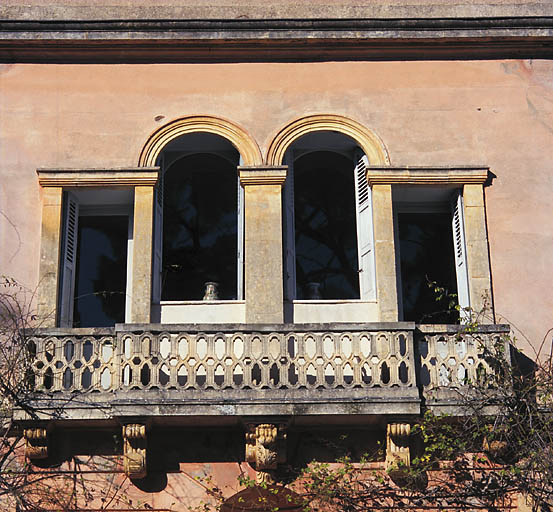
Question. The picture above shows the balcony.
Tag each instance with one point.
(219, 374)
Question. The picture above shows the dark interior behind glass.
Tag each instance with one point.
(325, 226)
(200, 227)
(426, 256)
(101, 274)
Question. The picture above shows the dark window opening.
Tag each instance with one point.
(325, 227)
(101, 273)
(426, 256)
(200, 228)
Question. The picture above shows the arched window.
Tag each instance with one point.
(325, 227)
(328, 220)
(198, 222)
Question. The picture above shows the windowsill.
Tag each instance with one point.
(201, 311)
(198, 302)
(332, 301)
(332, 310)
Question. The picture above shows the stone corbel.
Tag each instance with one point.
(36, 443)
(134, 450)
(397, 445)
(265, 449)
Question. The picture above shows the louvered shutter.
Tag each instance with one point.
(365, 234)
(240, 207)
(69, 259)
(289, 231)
(459, 245)
(157, 264)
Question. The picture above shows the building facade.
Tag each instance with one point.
(234, 217)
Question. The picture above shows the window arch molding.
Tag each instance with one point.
(239, 138)
(368, 141)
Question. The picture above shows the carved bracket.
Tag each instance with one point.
(134, 450)
(397, 445)
(265, 449)
(36, 443)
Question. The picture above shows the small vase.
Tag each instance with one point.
(211, 291)
(314, 291)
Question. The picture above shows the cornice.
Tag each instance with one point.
(191, 40)
(120, 177)
(263, 175)
(427, 175)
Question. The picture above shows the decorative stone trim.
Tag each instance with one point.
(368, 141)
(128, 176)
(266, 175)
(265, 449)
(36, 443)
(134, 450)
(426, 175)
(397, 444)
(240, 139)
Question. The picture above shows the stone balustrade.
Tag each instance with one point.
(246, 369)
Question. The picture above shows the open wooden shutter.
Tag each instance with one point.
(365, 234)
(240, 263)
(69, 259)
(157, 263)
(459, 245)
(289, 231)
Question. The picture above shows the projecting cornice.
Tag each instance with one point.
(120, 177)
(231, 39)
(427, 175)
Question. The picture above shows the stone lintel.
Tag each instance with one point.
(263, 175)
(427, 175)
(112, 177)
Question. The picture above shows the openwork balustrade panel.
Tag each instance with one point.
(266, 360)
(118, 360)
(75, 363)
(452, 360)
(223, 360)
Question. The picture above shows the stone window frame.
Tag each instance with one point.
(53, 183)
(471, 180)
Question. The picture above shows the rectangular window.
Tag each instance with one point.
(430, 254)
(96, 258)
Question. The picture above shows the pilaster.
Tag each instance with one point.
(385, 255)
(478, 262)
(50, 248)
(263, 266)
(142, 254)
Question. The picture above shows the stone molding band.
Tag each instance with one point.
(265, 175)
(427, 175)
(240, 139)
(123, 177)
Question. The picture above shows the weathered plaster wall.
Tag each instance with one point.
(496, 113)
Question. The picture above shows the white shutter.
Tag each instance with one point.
(69, 259)
(459, 246)
(289, 231)
(365, 234)
(240, 263)
(157, 264)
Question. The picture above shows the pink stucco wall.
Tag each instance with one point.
(495, 113)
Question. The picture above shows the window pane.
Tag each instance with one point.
(101, 271)
(426, 254)
(200, 228)
(325, 226)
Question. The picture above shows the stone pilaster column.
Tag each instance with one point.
(263, 266)
(50, 249)
(478, 262)
(142, 254)
(385, 254)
